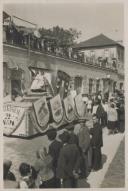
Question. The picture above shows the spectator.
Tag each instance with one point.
(96, 144)
(43, 166)
(89, 104)
(54, 150)
(95, 106)
(73, 137)
(84, 144)
(68, 162)
(105, 118)
(8, 175)
(100, 113)
(112, 119)
(122, 117)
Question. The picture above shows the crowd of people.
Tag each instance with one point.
(110, 110)
(71, 156)
(33, 40)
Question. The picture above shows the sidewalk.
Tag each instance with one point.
(109, 149)
(115, 176)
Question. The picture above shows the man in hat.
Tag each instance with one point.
(96, 144)
(84, 144)
(54, 150)
(68, 162)
(73, 137)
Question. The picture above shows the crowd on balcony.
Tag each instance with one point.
(31, 39)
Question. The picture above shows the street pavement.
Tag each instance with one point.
(109, 149)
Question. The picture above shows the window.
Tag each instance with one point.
(78, 82)
(90, 85)
(97, 85)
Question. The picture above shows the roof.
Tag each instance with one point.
(5, 15)
(97, 41)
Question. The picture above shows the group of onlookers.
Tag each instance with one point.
(110, 111)
(33, 40)
(68, 159)
(71, 155)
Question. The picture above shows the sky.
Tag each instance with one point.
(91, 19)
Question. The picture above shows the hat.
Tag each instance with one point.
(64, 136)
(7, 163)
(51, 133)
(70, 126)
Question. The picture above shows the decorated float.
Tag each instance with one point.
(38, 109)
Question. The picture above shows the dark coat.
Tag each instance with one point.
(100, 112)
(73, 139)
(84, 138)
(54, 151)
(97, 139)
(68, 161)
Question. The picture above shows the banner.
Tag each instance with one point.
(80, 106)
(12, 117)
(69, 108)
(57, 109)
(42, 112)
(62, 83)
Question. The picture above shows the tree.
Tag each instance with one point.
(63, 37)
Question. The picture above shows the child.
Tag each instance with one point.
(28, 176)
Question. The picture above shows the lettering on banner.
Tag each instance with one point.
(12, 118)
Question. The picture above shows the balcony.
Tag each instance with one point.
(48, 46)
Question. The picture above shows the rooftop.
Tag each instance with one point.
(97, 41)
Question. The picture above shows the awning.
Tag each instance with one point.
(12, 63)
(25, 30)
(5, 15)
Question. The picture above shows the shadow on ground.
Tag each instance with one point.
(104, 159)
(82, 183)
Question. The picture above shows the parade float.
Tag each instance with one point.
(39, 109)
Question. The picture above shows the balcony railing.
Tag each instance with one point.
(31, 42)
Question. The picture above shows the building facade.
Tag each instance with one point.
(100, 70)
(104, 52)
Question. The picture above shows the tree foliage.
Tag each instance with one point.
(63, 37)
